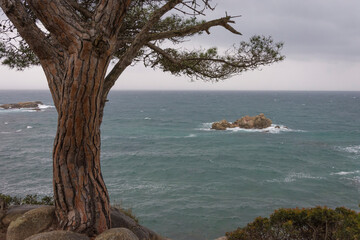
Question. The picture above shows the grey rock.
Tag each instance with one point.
(117, 234)
(58, 235)
(120, 220)
(31, 223)
(14, 212)
(21, 105)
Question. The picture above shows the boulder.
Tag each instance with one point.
(221, 125)
(256, 122)
(14, 212)
(117, 234)
(58, 235)
(34, 105)
(3, 208)
(31, 223)
(222, 238)
(120, 220)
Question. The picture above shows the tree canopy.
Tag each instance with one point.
(147, 26)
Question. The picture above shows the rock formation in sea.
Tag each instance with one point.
(33, 105)
(247, 122)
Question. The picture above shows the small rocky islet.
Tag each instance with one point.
(31, 105)
(247, 122)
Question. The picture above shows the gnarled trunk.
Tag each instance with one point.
(81, 197)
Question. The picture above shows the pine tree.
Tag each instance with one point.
(74, 41)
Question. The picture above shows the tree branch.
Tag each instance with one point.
(209, 65)
(137, 44)
(27, 28)
(108, 16)
(86, 13)
(60, 19)
(195, 29)
(163, 53)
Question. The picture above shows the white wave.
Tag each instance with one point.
(351, 149)
(353, 180)
(205, 127)
(40, 107)
(345, 173)
(29, 127)
(274, 128)
(191, 136)
(147, 118)
(6, 123)
(17, 110)
(293, 176)
(19, 130)
(43, 106)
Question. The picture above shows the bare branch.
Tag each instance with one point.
(188, 31)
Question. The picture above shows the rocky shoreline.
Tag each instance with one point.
(38, 222)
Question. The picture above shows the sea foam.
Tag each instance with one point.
(293, 176)
(191, 136)
(274, 128)
(345, 173)
(352, 149)
(43, 106)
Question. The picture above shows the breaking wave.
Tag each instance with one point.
(274, 128)
(294, 176)
(40, 108)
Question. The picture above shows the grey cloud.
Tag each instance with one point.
(310, 29)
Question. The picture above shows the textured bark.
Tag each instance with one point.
(81, 198)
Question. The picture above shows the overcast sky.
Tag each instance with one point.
(322, 49)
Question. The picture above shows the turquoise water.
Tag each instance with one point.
(185, 181)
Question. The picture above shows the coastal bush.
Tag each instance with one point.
(32, 199)
(301, 224)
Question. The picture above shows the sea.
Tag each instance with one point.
(187, 182)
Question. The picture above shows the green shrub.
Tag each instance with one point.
(302, 224)
(28, 199)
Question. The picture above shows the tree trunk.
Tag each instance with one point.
(81, 197)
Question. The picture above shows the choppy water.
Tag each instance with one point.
(188, 182)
